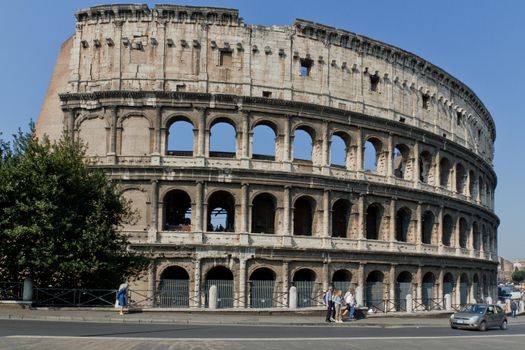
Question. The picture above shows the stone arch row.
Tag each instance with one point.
(393, 220)
(263, 286)
(364, 150)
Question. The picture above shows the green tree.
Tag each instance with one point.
(59, 218)
(518, 276)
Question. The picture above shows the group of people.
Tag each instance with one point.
(339, 305)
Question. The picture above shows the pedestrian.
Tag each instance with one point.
(338, 304)
(513, 308)
(350, 303)
(329, 304)
(122, 297)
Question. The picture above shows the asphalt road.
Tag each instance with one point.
(83, 335)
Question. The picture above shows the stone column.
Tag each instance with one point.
(390, 157)
(286, 214)
(326, 214)
(71, 123)
(196, 302)
(392, 231)
(199, 220)
(112, 155)
(201, 136)
(286, 283)
(325, 146)
(326, 275)
(419, 222)
(157, 146)
(152, 283)
(362, 226)
(392, 283)
(456, 233)
(360, 285)
(244, 213)
(242, 283)
(437, 177)
(440, 229)
(359, 165)
(287, 139)
(439, 285)
(419, 287)
(245, 140)
(415, 165)
(154, 207)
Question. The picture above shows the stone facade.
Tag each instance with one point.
(423, 216)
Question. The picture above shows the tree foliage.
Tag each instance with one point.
(518, 276)
(59, 218)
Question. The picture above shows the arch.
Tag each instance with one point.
(262, 288)
(427, 289)
(425, 167)
(476, 236)
(135, 138)
(472, 185)
(447, 230)
(338, 149)
(305, 282)
(463, 289)
(374, 218)
(486, 239)
(461, 179)
(223, 138)
(264, 141)
(179, 137)
(374, 290)
(403, 288)
(92, 132)
(341, 279)
(463, 233)
(177, 211)
(137, 200)
(448, 284)
(401, 161)
(303, 143)
(221, 212)
(263, 213)
(427, 227)
(481, 190)
(444, 175)
(403, 217)
(222, 278)
(371, 154)
(303, 212)
(340, 217)
(174, 287)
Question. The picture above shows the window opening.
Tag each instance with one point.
(306, 66)
(225, 58)
(374, 82)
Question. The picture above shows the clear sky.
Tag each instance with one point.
(480, 42)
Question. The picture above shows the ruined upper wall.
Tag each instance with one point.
(204, 49)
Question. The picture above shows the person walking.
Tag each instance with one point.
(122, 296)
(338, 304)
(329, 304)
(350, 303)
(513, 308)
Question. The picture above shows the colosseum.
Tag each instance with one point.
(408, 209)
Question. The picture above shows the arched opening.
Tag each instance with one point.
(374, 291)
(303, 144)
(461, 179)
(221, 212)
(476, 236)
(476, 289)
(174, 287)
(263, 214)
(222, 278)
(472, 186)
(223, 139)
(425, 167)
(403, 216)
(463, 289)
(307, 293)
(463, 233)
(341, 279)
(303, 216)
(180, 138)
(403, 288)
(264, 142)
(447, 229)
(448, 284)
(340, 215)
(262, 291)
(177, 206)
(427, 226)
(485, 239)
(444, 175)
(338, 150)
(427, 290)
(374, 216)
(371, 153)
(481, 190)
(400, 162)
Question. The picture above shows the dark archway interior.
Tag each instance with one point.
(219, 273)
(174, 273)
(426, 227)
(221, 212)
(178, 211)
(447, 230)
(304, 275)
(375, 276)
(373, 221)
(342, 276)
(303, 217)
(263, 214)
(429, 278)
(340, 215)
(402, 224)
(404, 277)
(263, 274)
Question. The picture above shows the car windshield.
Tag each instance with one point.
(474, 309)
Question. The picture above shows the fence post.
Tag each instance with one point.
(521, 306)
(293, 297)
(212, 297)
(359, 296)
(409, 303)
(27, 293)
(448, 302)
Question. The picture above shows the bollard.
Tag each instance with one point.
(409, 303)
(489, 300)
(212, 297)
(448, 302)
(359, 296)
(293, 298)
(27, 293)
(521, 307)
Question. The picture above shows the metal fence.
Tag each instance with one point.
(308, 294)
(74, 297)
(12, 291)
(225, 297)
(173, 293)
(263, 294)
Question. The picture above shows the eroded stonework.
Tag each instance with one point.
(421, 222)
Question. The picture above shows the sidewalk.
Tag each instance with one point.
(226, 317)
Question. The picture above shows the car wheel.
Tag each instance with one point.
(453, 327)
(483, 326)
(503, 325)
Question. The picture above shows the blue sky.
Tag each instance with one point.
(480, 42)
